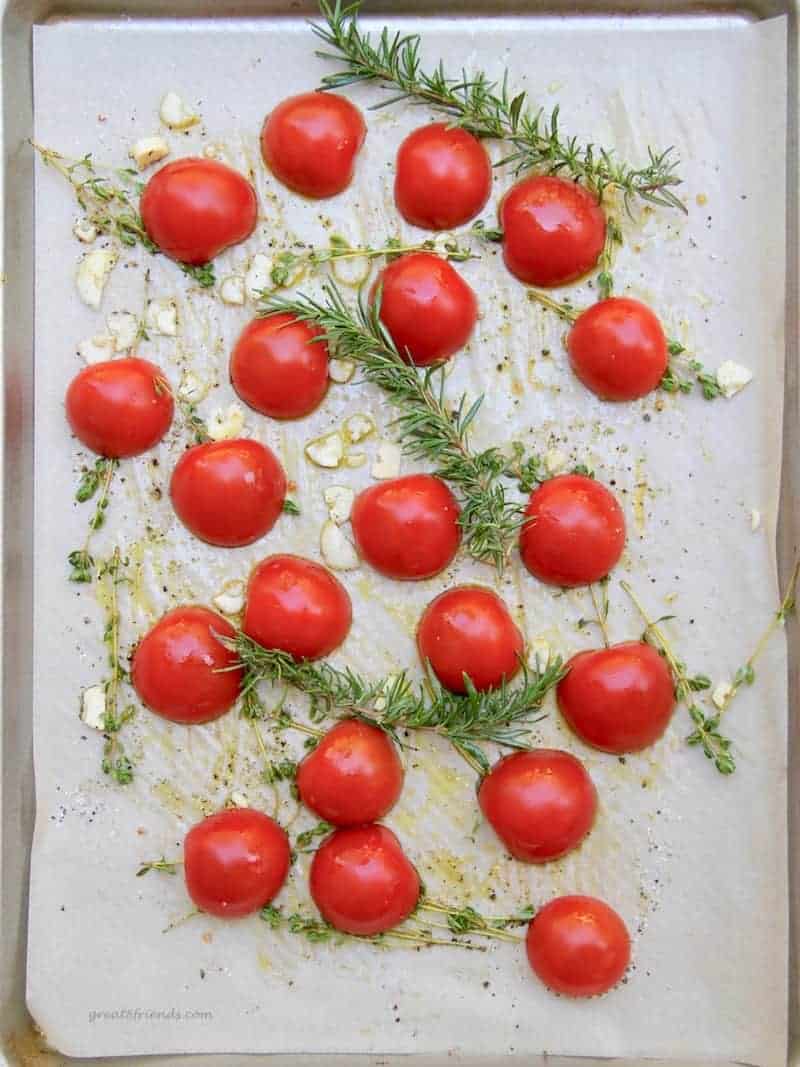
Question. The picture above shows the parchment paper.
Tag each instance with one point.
(695, 863)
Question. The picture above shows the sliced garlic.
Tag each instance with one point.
(162, 317)
(720, 695)
(231, 290)
(92, 275)
(175, 114)
(192, 387)
(339, 502)
(352, 271)
(732, 378)
(540, 654)
(85, 231)
(337, 550)
(755, 519)
(387, 462)
(148, 150)
(226, 423)
(341, 370)
(358, 428)
(554, 461)
(326, 451)
(230, 599)
(258, 276)
(93, 707)
(124, 328)
(96, 349)
(354, 460)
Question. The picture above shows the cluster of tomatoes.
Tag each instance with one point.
(541, 802)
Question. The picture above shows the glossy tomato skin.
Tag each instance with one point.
(426, 306)
(617, 348)
(468, 630)
(362, 881)
(578, 946)
(193, 209)
(354, 775)
(235, 862)
(407, 528)
(298, 606)
(182, 672)
(541, 803)
(310, 143)
(618, 699)
(554, 230)
(228, 493)
(120, 407)
(443, 177)
(574, 531)
(279, 367)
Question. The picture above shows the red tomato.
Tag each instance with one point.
(574, 531)
(407, 528)
(618, 349)
(193, 209)
(182, 672)
(310, 143)
(618, 699)
(554, 230)
(578, 946)
(362, 881)
(443, 177)
(120, 407)
(297, 606)
(228, 493)
(278, 368)
(541, 803)
(426, 306)
(468, 630)
(235, 862)
(353, 776)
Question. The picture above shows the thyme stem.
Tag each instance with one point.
(115, 762)
(601, 612)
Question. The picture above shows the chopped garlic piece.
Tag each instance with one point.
(354, 460)
(339, 501)
(540, 654)
(358, 428)
(230, 599)
(755, 519)
(258, 277)
(96, 349)
(192, 387)
(337, 551)
(85, 232)
(732, 378)
(239, 800)
(93, 707)
(341, 370)
(226, 423)
(94, 269)
(148, 150)
(555, 461)
(231, 290)
(326, 451)
(124, 328)
(162, 317)
(175, 114)
(387, 462)
(720, 695)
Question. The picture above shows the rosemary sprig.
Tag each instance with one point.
(427, 425)
(706, 731)
(115, 762)
(486, 109)
(99, 477)
(500, 716)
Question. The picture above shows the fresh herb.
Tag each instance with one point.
(467, 920)
(303, 840)
(115, 762)
(163, 864)
(95, 478)
(601, 608)
(528, 471)
(283, 771)
(202, 273)
(605, 280)
(289, 507)
(195, 426)
(486, 109)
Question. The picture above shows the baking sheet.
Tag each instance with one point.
(695, 864)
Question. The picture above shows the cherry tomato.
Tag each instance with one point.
(298, 606)
(426, 306)
(310, 143)
(468, 630)
(181, 671)
(407, 528)
(574, 531)
(540, 803)
(120, 407)
(554, 230)
(235, 862)
(618, 699)
(362, 881)
(443, 177)
(193, 209)
(353, 776)
(279, 368)
(618, 349)
(578, 946)
(228, 493)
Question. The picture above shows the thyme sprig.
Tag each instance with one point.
(115, 762)
(485, 108)
(500, 716)
(194, 425)
(427, 425)
(99, 477)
